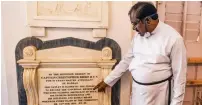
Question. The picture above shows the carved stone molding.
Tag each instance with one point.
(29, 53)
(30, 85)
(106, 53)
(30, 80)
(106, 98)
(90, 14)
(29, 74)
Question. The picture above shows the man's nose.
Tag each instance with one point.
(136, 29)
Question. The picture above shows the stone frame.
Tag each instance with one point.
(99, 45)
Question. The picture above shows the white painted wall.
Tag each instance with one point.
(4, 90)
(14, 29)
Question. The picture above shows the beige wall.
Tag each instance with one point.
(194, 49)
(14, 28)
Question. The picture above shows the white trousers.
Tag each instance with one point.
(150, 94)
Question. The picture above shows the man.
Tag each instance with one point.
(157, 60)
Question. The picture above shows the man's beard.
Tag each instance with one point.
(141, 34)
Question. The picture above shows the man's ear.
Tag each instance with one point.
(148, 20)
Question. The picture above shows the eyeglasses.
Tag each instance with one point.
(135, 23)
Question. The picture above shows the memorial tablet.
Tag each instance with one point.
(68, 86)
(65, 76)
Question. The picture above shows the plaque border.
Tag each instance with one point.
(69, 41)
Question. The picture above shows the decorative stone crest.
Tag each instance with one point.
(29, 53)
(106, 53)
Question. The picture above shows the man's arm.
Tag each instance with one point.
(179, 69)
(120, 69)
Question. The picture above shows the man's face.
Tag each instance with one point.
(139, 26)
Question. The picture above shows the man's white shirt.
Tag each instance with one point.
(154, 58)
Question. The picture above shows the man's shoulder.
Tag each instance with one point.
(171, 32)
(170, 35)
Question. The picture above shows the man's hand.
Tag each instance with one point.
(101, 86)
